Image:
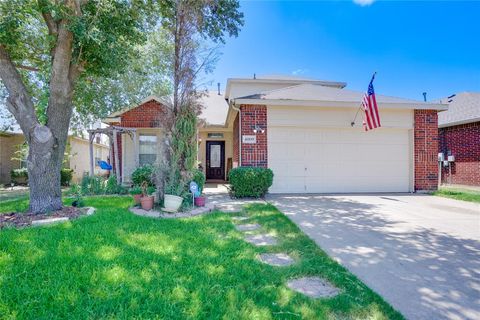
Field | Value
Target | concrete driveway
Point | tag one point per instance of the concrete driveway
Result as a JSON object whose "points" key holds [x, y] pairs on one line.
{"points": [[420, 252]]}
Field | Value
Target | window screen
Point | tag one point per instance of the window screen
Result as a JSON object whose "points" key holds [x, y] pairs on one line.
{"points": [[148, 149]]}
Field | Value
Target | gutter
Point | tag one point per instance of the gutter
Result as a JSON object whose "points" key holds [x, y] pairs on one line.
{"points": [[239, 133]]}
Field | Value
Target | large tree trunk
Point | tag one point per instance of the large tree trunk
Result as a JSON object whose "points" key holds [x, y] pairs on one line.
{"points": [[44, 171]]}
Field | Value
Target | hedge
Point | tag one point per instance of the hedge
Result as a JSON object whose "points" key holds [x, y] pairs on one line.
{"points": [[250, 181], [21, 175]]}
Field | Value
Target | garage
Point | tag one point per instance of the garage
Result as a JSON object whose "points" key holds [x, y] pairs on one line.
{"points": [[314, 150]]}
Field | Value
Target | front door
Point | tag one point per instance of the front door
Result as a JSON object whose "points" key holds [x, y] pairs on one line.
{"points": [[215, 169]]}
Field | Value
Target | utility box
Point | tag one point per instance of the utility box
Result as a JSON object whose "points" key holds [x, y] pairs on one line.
{"points": [[451, 158], [440, 157]]}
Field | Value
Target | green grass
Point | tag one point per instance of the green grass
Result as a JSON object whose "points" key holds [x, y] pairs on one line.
{"points": [[118, 265], [459, 194]]}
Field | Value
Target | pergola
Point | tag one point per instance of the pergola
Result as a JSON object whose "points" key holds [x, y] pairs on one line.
{"points": [[112, 133]]}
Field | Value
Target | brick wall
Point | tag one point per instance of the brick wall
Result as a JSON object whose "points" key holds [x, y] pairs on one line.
{"points": [[426, 149], [150, 114], [236, 140], [254, 155], [462, 141]]}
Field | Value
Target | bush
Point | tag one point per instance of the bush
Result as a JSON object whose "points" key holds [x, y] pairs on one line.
{"points": [[144, 173], [66, 177], [19, 175], [199, 178], [250, 181], [112, 187], [92, 185]]}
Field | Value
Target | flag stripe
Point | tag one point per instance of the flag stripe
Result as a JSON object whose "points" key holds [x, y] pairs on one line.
{"points": [[372, 117]]}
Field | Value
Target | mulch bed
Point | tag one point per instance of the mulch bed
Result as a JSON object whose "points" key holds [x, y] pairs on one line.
{"points": [[24, 219]]}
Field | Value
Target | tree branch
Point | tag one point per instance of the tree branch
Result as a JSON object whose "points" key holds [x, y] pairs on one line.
{"points": [[29, 68], [19, 101], [47, 16]]}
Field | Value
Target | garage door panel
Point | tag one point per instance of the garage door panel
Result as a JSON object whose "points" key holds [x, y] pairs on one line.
{"points": [[339, 160]]}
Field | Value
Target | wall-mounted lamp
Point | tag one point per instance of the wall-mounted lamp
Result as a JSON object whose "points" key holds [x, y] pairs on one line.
{"points": [[257, 129]]}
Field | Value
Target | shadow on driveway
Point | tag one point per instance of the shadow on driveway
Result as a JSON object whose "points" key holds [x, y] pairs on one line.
{"points": [[421, 253]]}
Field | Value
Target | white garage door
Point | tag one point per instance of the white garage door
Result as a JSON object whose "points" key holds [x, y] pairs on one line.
{"points": [[329, 160]]}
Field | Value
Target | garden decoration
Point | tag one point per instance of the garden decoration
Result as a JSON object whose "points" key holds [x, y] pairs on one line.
{"points": [[146, 201]]}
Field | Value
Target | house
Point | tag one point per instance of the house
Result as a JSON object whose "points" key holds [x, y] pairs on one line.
{"points": [[77, 148], [301, 129], [459, 136]]}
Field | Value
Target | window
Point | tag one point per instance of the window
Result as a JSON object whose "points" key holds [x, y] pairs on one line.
{"points": [[148, 149], [98, 156]]}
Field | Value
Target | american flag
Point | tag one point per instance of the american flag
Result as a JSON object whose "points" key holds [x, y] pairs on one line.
{"points": [[369, 103]]}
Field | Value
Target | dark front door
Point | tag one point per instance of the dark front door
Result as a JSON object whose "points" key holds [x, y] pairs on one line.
{"points": [[215, 160]]}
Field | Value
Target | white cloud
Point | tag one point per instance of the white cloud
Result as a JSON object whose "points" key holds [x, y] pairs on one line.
{"points": [[364, 3], [299, 72]]}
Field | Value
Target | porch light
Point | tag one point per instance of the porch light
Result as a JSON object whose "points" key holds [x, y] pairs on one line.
{"points": [[257, 129]]}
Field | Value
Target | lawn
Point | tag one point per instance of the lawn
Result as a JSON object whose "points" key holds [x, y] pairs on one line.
{"points": [[118, 265], [459, 194]]}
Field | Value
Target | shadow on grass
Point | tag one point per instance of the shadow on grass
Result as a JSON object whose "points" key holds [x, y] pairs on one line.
{"points": [[117, 265]]}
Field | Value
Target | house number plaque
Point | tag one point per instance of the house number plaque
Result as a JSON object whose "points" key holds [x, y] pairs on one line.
{"points": [[249, 139]]}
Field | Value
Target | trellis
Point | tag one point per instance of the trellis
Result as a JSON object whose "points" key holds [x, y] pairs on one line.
{"points": [[112, 132]]}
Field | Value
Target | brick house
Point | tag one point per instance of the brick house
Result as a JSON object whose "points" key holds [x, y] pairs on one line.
{"points": [[301, 129], [459, 136]]}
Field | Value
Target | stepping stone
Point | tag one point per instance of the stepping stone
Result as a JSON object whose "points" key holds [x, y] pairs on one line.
{"points": [[313, 287], [247, 227], [261, 240], [45, 222], [240, 218], [276, 259]]}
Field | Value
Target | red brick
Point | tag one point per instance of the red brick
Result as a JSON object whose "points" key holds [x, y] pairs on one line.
{"points": [[426, 149]]}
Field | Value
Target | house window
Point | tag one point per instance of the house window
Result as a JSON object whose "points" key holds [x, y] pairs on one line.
{"points": [[148, 149]]}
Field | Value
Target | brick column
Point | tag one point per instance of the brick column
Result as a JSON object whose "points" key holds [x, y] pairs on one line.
{"points": [[426, 149], [254, 155], [236, 142]]}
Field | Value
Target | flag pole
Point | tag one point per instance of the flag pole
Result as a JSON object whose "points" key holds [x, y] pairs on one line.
{"points": [[358, 110]]}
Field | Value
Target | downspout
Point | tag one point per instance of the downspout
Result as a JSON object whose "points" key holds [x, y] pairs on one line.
{"points": [[239, 133]]}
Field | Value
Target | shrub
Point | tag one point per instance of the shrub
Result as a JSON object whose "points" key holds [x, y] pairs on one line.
{"points": [[250, 181], [76, 191], [135, 190], [199, 178], [19, 175], [92, 185], [66, 177], [112, 187], [144, 173]]}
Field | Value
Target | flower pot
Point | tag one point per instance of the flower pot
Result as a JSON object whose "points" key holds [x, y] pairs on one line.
{"points": [[146, 203], [200, 201], [172, 203], [137, 197]]}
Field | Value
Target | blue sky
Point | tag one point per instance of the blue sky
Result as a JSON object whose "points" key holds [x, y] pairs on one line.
{"points": [[414, 46]]}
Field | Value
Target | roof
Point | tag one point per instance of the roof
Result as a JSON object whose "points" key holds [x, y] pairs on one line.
{"points": [[113, 117], [286, 80], [313, 94], [463, 108], [215, 108]]}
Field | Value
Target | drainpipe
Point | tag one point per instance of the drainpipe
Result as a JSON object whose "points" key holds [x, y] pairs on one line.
{"points": [[239, 133]]}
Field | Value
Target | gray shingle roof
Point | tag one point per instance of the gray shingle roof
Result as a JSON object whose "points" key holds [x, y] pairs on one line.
{"points": [[215, 108], [463, 108], [312, 92]]}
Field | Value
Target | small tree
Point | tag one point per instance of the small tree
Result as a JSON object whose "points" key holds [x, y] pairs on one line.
{"points": [[187, 23]]}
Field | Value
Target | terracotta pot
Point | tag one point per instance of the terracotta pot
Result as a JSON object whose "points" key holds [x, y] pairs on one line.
{"points": [[172, 203], [147, 202], [137, 197], [200, 201]]}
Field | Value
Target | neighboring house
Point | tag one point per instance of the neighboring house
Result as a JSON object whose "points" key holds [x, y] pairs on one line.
{"points": [[301, 129], [78, 150], [459, 136]]}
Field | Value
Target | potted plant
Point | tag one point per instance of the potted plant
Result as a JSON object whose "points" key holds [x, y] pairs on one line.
{"points": [[147, 200], [172, 202], [136, 192], [200, 199]]}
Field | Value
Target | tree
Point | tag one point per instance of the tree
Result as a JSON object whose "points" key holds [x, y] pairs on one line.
{"points": [[56, 44], [187, 22]]}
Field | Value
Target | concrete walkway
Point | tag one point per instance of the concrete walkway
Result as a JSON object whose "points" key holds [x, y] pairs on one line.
{"points": [[420, 252], [217, 194]]}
